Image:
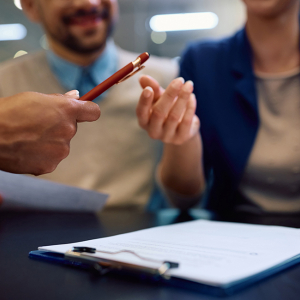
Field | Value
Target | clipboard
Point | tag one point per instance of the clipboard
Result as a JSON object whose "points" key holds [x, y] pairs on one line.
{"points": [[103, 267], [158, 276], [135, 262]]}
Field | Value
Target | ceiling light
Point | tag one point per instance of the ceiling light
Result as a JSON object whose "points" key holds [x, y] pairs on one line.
{"points": [[179, 22], [10, 32]]}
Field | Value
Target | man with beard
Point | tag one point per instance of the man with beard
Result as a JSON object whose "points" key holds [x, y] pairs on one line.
{"points": [[113, 154]]}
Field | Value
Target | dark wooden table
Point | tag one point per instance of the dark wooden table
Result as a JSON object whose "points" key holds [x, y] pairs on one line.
{"points": [[24, 278]]}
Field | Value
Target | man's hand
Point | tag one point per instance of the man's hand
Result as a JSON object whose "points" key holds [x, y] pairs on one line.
{"points": [[168, 115], [36, 129]]}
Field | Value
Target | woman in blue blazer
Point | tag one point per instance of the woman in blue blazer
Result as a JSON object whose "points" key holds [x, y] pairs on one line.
{"points": [[248, 106]]}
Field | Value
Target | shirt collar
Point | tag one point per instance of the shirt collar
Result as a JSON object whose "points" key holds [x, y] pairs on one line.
{"points": [[69, 73]]}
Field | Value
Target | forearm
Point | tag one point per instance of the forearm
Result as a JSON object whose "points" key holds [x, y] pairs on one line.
{"points": [[170, 117], [181, 169]]}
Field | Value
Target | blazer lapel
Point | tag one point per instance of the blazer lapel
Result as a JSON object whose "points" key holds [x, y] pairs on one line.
{"points": [[243, 72]]}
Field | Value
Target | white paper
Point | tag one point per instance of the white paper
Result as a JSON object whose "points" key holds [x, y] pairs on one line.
{"points": [[215, 253], [24, 192]]}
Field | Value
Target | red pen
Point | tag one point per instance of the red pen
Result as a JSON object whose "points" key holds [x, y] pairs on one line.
{"points": [[120, 76]]}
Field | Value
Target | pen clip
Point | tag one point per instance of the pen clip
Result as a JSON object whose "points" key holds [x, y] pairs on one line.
{"points": [[131, 74]]}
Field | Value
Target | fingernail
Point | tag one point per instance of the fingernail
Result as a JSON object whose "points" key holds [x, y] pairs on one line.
{"points": [[178, 83], [182, 79], [147, 92], [190, 82], [73, 93]]}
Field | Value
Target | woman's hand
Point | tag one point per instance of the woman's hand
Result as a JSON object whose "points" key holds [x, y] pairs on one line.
{"points": [[168, 115]]}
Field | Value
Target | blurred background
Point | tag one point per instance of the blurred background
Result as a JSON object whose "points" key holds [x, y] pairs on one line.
{"points": [[133, 32]]}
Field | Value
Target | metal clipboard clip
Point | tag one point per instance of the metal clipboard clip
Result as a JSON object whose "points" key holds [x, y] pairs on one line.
{"points": [[104, 265]]}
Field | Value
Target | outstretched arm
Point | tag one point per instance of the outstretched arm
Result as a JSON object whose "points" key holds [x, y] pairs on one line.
{"points": [[169, 115]]}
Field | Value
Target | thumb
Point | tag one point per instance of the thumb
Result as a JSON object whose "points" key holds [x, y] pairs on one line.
{"points": [[146, 80], [87, 111]]}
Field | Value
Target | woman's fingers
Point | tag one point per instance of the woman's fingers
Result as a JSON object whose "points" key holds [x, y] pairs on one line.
{"points": [[189, 124], [144, 107], [170, 118], [162, 107], [177, 111], [146, 80]]}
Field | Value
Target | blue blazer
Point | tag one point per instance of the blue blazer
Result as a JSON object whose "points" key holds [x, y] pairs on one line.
{"points": [[227, 107]]}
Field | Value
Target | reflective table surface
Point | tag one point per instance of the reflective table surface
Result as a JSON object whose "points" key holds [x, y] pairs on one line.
{"points": [[24, 278]]}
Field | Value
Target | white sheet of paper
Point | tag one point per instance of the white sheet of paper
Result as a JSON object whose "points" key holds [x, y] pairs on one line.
{"points": [[215, 253], [24, 192]]}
